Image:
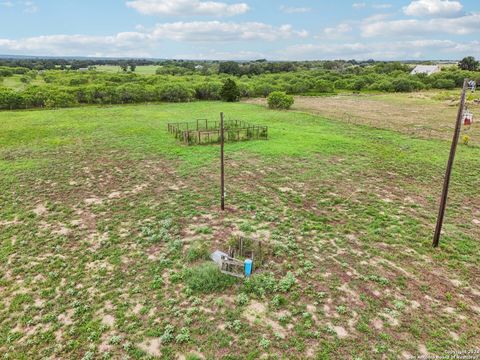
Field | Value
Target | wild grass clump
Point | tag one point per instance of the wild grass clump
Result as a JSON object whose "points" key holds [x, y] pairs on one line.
{"points": [[198, 251], [207, 278], [160, 232]]}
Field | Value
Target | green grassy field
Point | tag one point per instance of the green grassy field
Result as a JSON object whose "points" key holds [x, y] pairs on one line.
{"points": [[14, 82], [106, 224], [140, 70]]}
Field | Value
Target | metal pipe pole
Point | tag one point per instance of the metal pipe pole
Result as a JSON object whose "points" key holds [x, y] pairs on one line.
{"points": [[222, 162], [448, 174]]}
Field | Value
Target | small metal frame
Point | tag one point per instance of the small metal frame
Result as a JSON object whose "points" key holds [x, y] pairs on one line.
{"points": [[203, 131], [233, 267]]}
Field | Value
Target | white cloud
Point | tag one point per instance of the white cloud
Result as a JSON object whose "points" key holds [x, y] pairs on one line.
{"points": [[417, 49], [359, 5], [434, 8], [187, 7], [145, 42], [223, 55], [121, 44], [224, 31], [30, 7], [294, 10], [337, 31], [27, 5], [382, 6], [464, 25]]}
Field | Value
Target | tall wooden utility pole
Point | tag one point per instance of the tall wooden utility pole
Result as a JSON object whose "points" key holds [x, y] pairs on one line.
{"points": [[448, 174], [222, 162]]}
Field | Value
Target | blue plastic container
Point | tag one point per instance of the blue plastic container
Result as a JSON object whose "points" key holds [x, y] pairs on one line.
{"points": [[248, 267]]}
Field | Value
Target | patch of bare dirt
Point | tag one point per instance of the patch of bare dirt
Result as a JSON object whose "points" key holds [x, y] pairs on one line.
{"points": [[257, 311], [151, 347]]}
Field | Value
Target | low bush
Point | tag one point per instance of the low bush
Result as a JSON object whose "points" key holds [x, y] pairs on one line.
{"points": [[382, 85], [444, 84], [198, 251], [176, 93], [280, 100], [208, 90], [323, 86], [406, 85]]}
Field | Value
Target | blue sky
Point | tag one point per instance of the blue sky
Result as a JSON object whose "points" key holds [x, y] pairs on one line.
{"points": [[242, 29]]}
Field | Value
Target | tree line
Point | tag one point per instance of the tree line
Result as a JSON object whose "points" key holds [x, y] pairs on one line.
{"points": [[54, 88]]}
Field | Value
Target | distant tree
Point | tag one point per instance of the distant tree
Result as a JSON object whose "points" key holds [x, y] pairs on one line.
{"points": [[133, 67], [5, 72], [124, 67], [229, 67], [230, 91], [469, 63]]}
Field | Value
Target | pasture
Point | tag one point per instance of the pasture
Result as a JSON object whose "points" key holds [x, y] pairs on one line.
{"points": [[425, 114], [140, 70], [106, 223]]}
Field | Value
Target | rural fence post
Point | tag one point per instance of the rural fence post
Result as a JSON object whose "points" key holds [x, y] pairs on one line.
{"points": [[222, 163], [448, 173]]}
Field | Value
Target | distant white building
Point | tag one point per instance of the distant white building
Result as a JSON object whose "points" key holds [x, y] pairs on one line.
{"points": [[425, 69]]}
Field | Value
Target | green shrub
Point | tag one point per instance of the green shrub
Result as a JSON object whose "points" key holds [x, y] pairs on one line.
{"points": [[208, 91], [176, 93], [207, 278], [6, 72], [60, 100], [444, 84], [406, 85], [323, 86], [198, 251], [382, 85], [264, 89], [10, 99], [341, 84], [280, 100], [358, 84], [230, 91], [78, 81], [260, 284]]}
